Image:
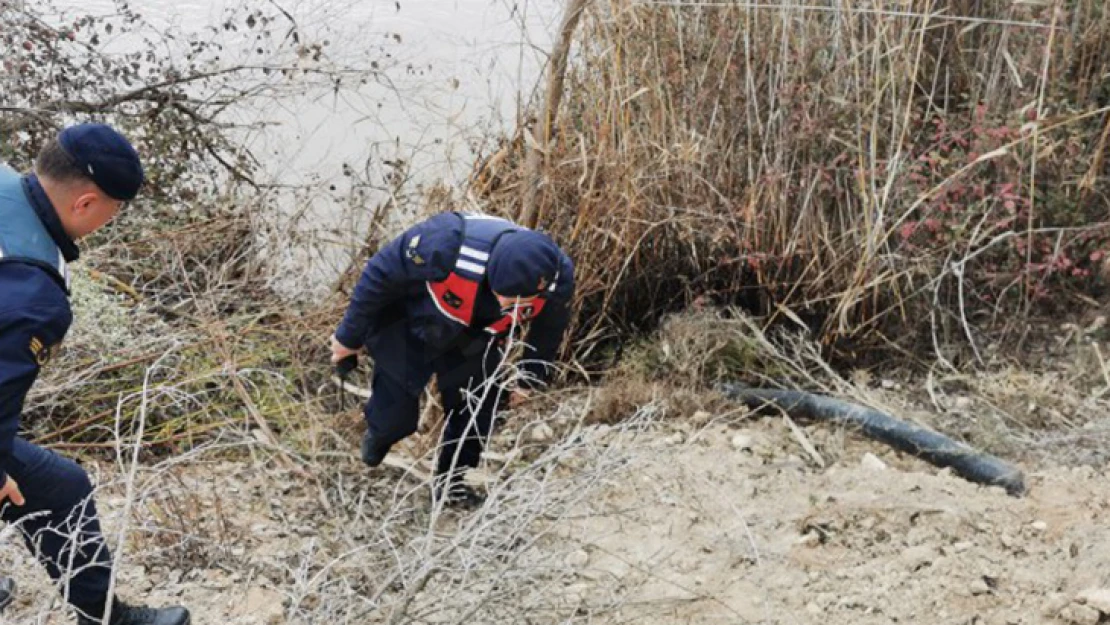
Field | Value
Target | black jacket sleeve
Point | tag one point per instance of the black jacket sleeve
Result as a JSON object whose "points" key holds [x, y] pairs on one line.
{"points": [[424, 252], [547, 329], [27, 335]]}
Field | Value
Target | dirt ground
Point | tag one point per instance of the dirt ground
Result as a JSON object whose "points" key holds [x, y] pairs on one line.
{"points": [[732, 525], [705, 519]]}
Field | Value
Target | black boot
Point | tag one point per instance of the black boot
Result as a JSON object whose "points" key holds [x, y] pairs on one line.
{"points": [[454, 493], [123, 614], [373, 451], [7, 592]]}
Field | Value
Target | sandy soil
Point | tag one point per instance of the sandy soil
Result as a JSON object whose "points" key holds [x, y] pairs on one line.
{"points": [[732, 525], [699, 520]]}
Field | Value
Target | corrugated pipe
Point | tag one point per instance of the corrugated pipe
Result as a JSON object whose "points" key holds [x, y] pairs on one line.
{"points": [[937, 449]]}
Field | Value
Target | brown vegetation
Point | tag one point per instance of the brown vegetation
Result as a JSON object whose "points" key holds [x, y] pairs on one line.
{"points": [[910, 177]]}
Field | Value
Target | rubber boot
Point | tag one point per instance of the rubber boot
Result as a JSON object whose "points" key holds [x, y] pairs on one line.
{"points": [[455, 493], [7, 592], [373, 451], [124, 614]]}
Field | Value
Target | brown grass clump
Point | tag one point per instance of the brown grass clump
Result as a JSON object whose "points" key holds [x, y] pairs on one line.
{"points": [[677, 366]]}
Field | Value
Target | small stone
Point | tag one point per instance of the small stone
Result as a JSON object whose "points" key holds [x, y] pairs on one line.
{"points": [[888, 384], [577, 559], [979, 587], [962, 403], [262, 604], [872, 463], [742, 442], [1040, 526], [577, 593], [1053, 604], [962, 546], [542, 433], [1080, 614], [215, 578], [1097, 598], [916, 557], [810, 539], [701, 418], [675, 439]]}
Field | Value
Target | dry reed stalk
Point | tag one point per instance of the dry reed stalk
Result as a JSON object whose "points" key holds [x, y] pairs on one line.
{"points": [[787, 158]]}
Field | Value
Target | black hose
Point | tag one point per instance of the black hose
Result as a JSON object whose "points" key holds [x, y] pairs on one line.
{"points": [[925, 444]]}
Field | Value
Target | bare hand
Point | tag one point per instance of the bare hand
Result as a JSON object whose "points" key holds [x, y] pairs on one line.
{"points": [[340, 351], [518, 397], [11, 491]]}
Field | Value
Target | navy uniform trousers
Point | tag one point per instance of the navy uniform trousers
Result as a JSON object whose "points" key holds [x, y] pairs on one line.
{"points": [[464, 377], [59, 523]]}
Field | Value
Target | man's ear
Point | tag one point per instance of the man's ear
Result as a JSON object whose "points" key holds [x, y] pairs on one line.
{"points": [[84, 203]]}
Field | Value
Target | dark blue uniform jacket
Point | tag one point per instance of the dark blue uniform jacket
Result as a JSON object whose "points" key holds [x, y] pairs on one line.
{"points": [[393, 315], [34, 301]]}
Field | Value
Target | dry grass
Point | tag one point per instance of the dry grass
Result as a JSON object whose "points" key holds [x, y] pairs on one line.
{"points": [[765, 158], [1053, 407], [882, 176], [344, 543]]}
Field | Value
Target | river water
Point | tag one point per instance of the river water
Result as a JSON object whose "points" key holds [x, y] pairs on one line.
{"points": [[456, 74], [459, 68]]}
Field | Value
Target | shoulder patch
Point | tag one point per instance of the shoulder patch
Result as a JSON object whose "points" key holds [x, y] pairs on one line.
{"points": [[40, 351], [412, 251]]}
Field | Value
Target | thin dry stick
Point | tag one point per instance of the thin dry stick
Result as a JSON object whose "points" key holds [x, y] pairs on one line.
{"points": [[834, 9], [129, 499], [1043, 87], [529, 213]]}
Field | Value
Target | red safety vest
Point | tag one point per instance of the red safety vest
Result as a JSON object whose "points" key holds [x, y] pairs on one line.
{"points": [[456, 296]]}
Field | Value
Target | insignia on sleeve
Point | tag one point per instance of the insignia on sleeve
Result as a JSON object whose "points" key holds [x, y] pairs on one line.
{"points": [[40, 351], [411, 252]]}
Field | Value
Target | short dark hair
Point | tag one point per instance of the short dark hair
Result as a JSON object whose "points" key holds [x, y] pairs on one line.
{"points": [[55, 163]]}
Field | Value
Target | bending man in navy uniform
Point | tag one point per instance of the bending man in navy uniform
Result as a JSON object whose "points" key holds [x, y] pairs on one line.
{"points": [[80, 182], [440, 299]]}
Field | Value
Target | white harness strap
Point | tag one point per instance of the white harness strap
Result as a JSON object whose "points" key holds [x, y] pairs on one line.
{"points": [[63, 267], [471, 267], [473, 253]]}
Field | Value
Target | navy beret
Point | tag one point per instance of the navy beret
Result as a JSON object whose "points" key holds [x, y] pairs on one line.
{"points": [[107, 158], [520, 260]]}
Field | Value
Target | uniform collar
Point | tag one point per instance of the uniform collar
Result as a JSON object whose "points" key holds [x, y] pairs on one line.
{"points": [[48, 215]]}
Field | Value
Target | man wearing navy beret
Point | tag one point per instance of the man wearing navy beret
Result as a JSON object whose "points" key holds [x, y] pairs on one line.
{"points": [[80, 181], [441, 299]]}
